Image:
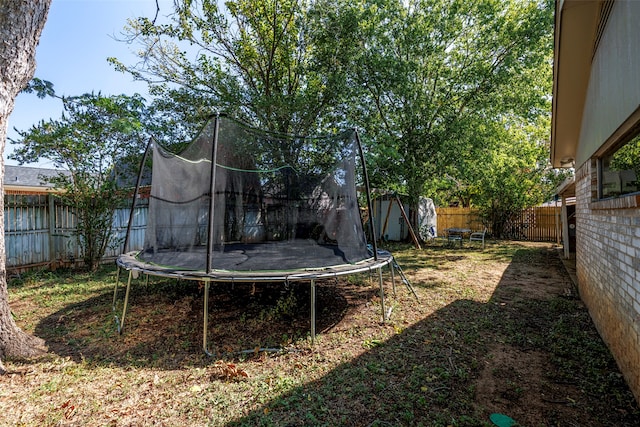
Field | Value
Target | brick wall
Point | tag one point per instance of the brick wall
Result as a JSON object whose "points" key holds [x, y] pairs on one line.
{"points": [[608, 270]]}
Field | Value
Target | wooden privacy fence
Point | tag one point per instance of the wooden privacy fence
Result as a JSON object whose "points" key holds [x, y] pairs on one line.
{"points": [[40, 230], [458, 218], [540, 224]]}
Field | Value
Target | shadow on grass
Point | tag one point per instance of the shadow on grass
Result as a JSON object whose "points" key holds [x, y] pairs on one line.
{"points": [[535, 357], [528, 352], [164, 329]]}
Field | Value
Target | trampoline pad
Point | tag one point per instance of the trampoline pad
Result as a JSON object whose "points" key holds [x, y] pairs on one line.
{"points": [[274, 256]]}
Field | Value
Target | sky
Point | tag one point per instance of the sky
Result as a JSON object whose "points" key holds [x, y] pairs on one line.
{"points": [[77, 39]]}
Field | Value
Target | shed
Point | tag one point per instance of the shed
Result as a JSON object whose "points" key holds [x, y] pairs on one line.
{"points": [[390, 222]]}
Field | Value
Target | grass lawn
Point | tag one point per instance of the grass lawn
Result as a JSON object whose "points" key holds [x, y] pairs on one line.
{"points": [[499, 330]]}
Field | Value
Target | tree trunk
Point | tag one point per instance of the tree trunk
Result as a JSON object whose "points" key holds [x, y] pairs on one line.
{"points": [[21, 23]]}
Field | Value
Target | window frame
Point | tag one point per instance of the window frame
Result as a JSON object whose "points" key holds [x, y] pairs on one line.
{"points": [[602, 169], [626, 133]]}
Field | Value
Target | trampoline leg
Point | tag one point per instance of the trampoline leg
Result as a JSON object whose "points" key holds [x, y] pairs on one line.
{"points": [[115, 290], [205, 327], [126, 302], [384, 316], [404, 278], [393, 278], [313, 311]]}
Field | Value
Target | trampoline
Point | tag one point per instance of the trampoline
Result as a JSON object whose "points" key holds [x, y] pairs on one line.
{"points": [[240, 204]]}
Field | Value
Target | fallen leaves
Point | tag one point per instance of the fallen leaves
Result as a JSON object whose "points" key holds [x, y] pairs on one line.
{"points": [[227, 371], [68, 409]]}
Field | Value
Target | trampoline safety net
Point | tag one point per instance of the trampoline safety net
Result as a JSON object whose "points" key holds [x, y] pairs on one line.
{"points": [[241, 199]]}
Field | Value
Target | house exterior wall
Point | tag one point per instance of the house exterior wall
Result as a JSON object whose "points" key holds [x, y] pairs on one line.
{"points": [[613, 90], [608, 271]]}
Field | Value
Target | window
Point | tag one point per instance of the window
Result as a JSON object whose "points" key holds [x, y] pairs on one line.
{"points": [[620, 170]]}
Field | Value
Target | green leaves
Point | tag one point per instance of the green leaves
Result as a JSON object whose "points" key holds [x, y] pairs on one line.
{"points": [[264, 62], [98, 141], [42, 88], [446, 82]]}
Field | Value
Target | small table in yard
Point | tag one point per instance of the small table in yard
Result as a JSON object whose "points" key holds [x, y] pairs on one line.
{"points": [[456, 234]]}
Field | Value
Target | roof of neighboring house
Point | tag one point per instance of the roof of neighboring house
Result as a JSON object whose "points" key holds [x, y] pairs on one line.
{"points": [[576, 29], [29, 179]]}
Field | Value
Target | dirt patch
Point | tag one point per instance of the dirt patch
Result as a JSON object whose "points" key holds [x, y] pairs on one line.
{"points": [[499, 383], [526, 380], [516, 383]]}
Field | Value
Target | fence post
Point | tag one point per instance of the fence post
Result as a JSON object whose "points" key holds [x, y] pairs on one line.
{"points": [[52, 229]]}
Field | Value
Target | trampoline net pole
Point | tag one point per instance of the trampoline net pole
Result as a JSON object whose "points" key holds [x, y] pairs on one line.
{"points": [[125, 246], [214, 159], [368, 193]]}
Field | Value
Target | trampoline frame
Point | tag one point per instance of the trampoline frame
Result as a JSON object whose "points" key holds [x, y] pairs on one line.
{"points": [[136, 268]]}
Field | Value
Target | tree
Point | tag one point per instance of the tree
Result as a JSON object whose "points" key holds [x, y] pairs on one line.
{"points": [[264, 62], [98, 140], [627, 157], [512, 173], [423, 78], [434, 72], [21, 23]]}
